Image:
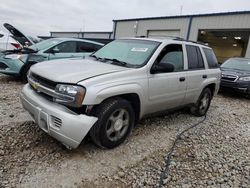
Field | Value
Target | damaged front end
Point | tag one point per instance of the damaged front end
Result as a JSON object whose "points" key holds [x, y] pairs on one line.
{"points": [[47, 102]]}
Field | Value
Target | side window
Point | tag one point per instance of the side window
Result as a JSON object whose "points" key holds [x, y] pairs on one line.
{"points": [[66, 47], [211, 58], [172, 54], [195, 60], [86, 47]]}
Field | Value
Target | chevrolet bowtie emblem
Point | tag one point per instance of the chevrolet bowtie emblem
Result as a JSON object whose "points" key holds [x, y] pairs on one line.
{"points": [[35, 85]]}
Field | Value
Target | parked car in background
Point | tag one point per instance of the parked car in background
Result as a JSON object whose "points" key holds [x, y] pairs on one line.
{"points": [[18, 62], [106, 93], [15, 39], [7, 42], [236, 75]]}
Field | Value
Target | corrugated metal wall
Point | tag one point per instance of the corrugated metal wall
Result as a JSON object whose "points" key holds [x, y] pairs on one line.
{"points": [[133, 28], [141, 27], [219, 22], [99, 35]]}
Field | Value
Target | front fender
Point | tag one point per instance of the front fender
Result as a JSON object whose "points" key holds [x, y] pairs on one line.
{"points": [[117, 90], [37, 58]]}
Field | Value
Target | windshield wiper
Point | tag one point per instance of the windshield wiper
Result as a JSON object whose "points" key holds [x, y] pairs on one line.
{"points": [[116, 61]]}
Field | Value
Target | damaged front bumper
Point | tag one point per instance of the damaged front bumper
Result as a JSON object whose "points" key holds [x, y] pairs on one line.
{"points": [[55, 119]]}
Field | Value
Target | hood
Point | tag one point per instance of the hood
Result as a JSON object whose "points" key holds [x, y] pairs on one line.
{"points": [[73, 70], [237, 72], [18, 35]]}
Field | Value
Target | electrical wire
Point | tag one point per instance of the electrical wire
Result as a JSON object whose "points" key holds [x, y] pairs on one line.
{"points": [[165, 172]]}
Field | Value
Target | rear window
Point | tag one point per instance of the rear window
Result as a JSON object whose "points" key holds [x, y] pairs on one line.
{"points": [[211, 58], [195, 60]]}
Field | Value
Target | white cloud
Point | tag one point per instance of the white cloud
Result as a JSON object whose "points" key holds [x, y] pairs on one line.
{"points": [[37, 17]]}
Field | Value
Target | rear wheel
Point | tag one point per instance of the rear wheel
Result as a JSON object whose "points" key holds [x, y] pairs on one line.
{"points": [[203, 103], [116, 119]]}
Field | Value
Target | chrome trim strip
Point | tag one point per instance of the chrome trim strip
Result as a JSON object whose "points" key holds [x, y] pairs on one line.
{"points": [[236, 77]]}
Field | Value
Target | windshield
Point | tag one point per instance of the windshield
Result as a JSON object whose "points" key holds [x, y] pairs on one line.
{"points": [[132, 52], [241, 64], [45, 44]]}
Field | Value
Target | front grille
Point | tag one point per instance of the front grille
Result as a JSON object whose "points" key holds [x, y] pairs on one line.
{"points": [[43, 81], [229, 77], [37, 83], [3, 66], [57, 122], [46, 96]]}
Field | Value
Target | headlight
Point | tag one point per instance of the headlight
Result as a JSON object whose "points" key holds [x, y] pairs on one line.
{"points": [[22, 57], [246, 79], [70, 95]]}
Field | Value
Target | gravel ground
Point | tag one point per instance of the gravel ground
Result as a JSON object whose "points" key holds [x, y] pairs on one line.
{"points": [[215, 154]]}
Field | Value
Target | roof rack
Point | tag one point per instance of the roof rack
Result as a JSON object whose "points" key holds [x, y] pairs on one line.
{"points": [[196, 42], [174, 38]]}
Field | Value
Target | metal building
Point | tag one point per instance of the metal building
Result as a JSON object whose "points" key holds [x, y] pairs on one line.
{"points": [[85, 34], [227, 33], [98, 36]]}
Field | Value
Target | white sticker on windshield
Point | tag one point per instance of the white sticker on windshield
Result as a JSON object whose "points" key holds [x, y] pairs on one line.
{"points": [[139, 49]]}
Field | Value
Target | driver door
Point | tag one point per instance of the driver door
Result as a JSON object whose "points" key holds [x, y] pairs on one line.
{"points": [[168, 90], [63, 50]]}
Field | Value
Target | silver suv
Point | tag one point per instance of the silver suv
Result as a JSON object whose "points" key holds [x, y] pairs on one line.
{"points": [[105, 94]]}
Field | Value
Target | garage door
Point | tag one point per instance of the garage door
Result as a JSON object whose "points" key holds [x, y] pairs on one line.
{"points": [[163, 33]]}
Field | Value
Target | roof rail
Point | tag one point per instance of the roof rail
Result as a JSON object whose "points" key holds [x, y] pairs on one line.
{"points": [[174, 38], [196, 42]]}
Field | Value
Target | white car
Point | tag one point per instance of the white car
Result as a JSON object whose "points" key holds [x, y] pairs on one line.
{"points": [[14, 39], [7, 42]]}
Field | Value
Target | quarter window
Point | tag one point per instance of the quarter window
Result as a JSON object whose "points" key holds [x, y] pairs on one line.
{"points": [[211, 58], [195, 60], [172, 54]]}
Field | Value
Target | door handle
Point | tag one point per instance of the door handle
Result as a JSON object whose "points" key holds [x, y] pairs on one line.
{"points": [[182, 79], [204, 76]]}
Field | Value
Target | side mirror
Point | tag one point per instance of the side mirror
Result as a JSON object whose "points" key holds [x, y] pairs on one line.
{"points": [[55, 50], [162, 68]]}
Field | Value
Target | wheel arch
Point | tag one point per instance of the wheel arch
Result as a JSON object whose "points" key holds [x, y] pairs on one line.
{"points": [[25, 66], [134, 100], [212, 87]]}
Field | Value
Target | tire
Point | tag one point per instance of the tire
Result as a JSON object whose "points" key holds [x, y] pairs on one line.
{"points": [[24, 72], [202, 105], [116, 119]]}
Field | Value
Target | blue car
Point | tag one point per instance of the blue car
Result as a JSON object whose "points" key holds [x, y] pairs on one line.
{"points": [[236, 75], [18, 62]]}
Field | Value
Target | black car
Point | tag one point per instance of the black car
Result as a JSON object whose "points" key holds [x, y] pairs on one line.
{"points": [[236, 75]]}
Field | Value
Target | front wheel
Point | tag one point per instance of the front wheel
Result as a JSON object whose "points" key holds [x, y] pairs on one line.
{"points": [[24, 73], [116, 119], [203, 103]]}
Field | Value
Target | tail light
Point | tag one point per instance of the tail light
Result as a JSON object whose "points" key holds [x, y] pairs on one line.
{"points": [[16, 45]]}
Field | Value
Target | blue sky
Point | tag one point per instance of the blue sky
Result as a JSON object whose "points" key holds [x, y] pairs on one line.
{"points": [[38, 17]]}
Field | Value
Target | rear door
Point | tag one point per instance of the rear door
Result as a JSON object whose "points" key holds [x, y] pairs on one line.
{"points": [[167, 90], [196, 73]]}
